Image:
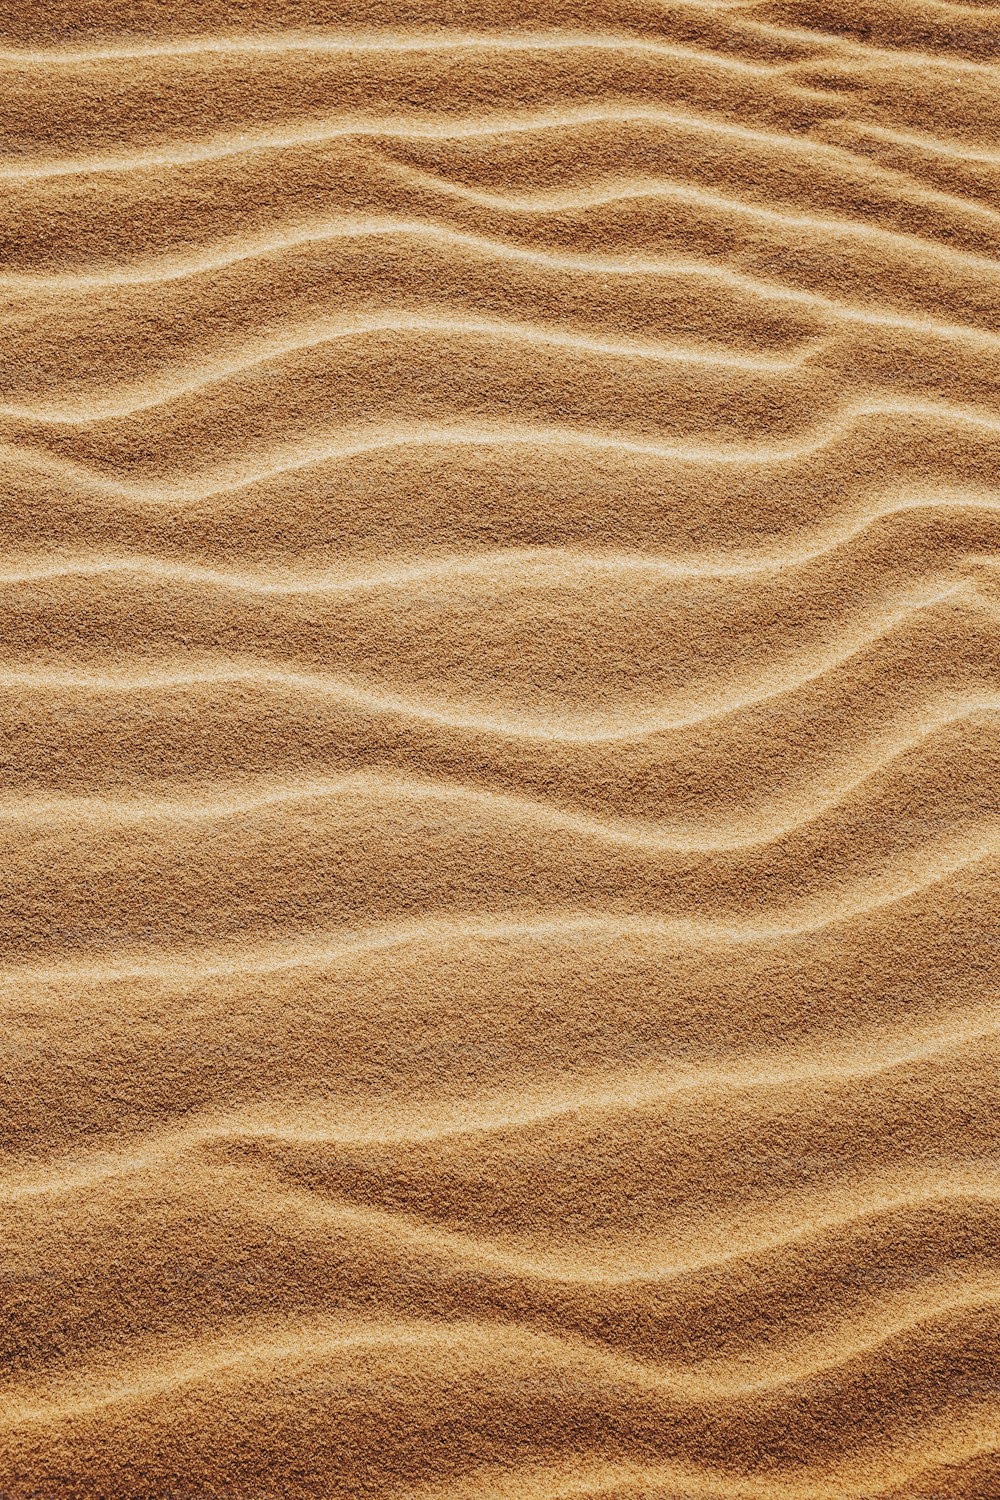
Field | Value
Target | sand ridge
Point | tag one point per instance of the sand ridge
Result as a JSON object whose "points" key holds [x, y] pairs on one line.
{"points": [[500, 734]]}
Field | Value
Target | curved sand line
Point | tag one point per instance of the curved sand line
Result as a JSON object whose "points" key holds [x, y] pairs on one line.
{"points": [[236, 477], [445, 930], [382, 41], [382, 786], [264, 1351], [263, 246], [372, 699], [607, 1268], [318, 336], [835, 42], [600, 196], [465, 1119], [581, 117], [390, 127], [599, 1479], [563, 561]]}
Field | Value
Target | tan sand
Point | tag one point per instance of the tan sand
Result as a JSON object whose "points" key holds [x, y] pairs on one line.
{"points": [[500, 724]]}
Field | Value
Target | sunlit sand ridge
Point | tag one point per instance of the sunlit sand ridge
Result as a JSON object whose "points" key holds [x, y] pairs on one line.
{"points": [[500, 715]]}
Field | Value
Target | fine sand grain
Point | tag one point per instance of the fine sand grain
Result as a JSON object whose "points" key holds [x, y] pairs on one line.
{"points": [[500, 731]]}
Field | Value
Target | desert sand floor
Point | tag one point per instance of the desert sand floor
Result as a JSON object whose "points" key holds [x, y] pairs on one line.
{"points": [[500, 732]]}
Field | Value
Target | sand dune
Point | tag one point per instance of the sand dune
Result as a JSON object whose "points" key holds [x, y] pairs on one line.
{"points": [[500, 723]]}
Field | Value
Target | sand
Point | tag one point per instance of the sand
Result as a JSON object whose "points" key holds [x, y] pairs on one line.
{"points": [[500, 732]]}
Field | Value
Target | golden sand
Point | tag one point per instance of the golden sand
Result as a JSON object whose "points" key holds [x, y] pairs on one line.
{"points": [[500, 730]]}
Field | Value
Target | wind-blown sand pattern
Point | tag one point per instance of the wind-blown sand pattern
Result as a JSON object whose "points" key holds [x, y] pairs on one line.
{"points": [[500, 708]]}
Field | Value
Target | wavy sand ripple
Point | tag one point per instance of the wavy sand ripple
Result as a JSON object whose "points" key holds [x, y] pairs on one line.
{"points": [[500, 723]]}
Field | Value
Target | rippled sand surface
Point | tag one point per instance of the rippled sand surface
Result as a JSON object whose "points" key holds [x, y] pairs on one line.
{"points": [[500, 732]]}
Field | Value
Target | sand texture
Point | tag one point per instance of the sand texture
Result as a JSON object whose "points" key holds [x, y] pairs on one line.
{"points": [[500, 738]]}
